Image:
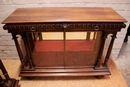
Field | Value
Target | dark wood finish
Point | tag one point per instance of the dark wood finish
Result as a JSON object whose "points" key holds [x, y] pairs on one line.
{"points": [[19, 50], [127, 34], [31, 22], [7, 82]]}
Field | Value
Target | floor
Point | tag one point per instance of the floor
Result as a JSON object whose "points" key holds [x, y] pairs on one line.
{"points": [[113, 80], [123, 61]]}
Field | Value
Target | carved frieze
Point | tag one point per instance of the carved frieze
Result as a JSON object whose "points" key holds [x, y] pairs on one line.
{"points": [[61, 26]]}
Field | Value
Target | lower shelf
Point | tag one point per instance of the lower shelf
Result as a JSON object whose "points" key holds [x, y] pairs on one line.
{"points": [[44, 72], [75, 52]]}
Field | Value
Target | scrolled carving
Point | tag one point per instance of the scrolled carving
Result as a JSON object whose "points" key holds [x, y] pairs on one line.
{"points": [[123, 25]]}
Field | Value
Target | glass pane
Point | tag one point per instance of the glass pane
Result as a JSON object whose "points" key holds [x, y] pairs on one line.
{"points": [[82, 48], [49, 48]]}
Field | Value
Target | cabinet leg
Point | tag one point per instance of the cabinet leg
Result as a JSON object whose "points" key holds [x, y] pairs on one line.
{"points": [[98, 77], [19, 50], [109, 50], [28, 50], [101, 50]]}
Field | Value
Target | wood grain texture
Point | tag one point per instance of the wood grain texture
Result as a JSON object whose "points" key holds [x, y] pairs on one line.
{"points": [[114, 80], [66, 14]]}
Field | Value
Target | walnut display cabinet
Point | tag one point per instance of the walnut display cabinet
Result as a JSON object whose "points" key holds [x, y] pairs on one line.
{"points": [[67, 41]]}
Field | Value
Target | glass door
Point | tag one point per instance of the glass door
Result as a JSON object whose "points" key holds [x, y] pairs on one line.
{"points": [[82, 48], [65, 49], [48, 49]]}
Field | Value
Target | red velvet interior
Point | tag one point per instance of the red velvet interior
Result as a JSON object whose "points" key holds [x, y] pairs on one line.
{"points": [[51, 53], [73, 45]]}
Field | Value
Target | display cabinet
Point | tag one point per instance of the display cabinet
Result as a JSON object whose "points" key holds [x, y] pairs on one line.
{"points": [[63, 41]]}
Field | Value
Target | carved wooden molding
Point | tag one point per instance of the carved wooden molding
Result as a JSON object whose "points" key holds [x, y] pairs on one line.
{"points": [[61, 26]]}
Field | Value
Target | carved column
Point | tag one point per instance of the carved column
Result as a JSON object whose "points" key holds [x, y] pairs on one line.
{"points": [[28, 50], [19, 50], [88, 35], [94, 37], [109, 49], [104, 36], [40, 36]]}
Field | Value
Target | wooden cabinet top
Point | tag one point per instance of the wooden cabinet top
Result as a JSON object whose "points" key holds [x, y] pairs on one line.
{"points": [[63, 14]]}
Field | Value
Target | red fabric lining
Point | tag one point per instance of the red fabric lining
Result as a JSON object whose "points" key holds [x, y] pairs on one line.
{"points": [[85, 45]]}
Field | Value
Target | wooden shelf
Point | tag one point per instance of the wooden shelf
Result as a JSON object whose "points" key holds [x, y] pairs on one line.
{"points": [[65, 72]]}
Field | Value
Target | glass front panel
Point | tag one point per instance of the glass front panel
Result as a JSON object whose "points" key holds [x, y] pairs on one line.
{"points": [[82, 48], [65, 49], [48, 49]]}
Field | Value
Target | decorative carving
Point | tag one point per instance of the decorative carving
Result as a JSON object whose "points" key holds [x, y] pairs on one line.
{"points": [[60, 26]]}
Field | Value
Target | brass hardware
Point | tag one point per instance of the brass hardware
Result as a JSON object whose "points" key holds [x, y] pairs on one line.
{"points": [[65, 26], [33, 29], [96, 28]]}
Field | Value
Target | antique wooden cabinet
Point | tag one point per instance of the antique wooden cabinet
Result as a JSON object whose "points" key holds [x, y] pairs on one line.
{"points": [[70, 54]]}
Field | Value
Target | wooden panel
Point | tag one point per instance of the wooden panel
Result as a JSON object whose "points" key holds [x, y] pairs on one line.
{"points": [[29, 15]]}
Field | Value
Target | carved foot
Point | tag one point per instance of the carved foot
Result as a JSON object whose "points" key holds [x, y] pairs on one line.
{"points": [[98, 77]]}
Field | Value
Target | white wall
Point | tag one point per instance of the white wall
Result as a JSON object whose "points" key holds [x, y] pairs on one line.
{"points": [[7, 46]]}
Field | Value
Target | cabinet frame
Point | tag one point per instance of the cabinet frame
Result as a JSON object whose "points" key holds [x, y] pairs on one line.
{"points": [[105, 20]]}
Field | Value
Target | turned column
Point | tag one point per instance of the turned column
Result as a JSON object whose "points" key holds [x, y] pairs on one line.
{"points": [[109, 49], [104, 36], [25, 38], [19, 50], [88, 35], [40, 36]]}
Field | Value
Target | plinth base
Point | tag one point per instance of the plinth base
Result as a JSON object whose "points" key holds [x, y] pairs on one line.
{"points": [[83, 71]]}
